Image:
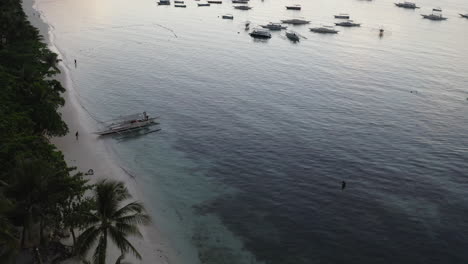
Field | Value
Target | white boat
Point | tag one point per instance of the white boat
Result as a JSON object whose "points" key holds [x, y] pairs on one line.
{"points": [[274, 26], [228, 16], [294, 7], [348, 23], [128, 123], [260, 33], [324, 30], [292, 35], [409, 5], [342, 16], [436, 17], [295, 21], [164, 2]]}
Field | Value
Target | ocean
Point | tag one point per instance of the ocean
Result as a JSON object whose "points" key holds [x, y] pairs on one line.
{"points": [[258, 135]]}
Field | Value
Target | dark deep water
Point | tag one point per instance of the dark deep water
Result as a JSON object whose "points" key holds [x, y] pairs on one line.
{"points": [[258, 135]]}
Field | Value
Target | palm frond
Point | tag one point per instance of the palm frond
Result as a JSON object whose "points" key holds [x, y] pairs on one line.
{"points": [[87, 239], [133, 207], [122, 243]]}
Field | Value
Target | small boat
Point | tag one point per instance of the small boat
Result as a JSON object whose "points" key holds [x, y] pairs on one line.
{"points": [[228, 16], [437, 9], [240, 1], [203, 4], [214, 2], [342, 16], [164, 2], [180, 5], [294, 7], [128, 123], [179, 2], [409, 5], [295, 21], [464, 15], [243, 7], [435, 17], [292, 35], [260, 33], [274, 26], [348, 23], [324, 30]]}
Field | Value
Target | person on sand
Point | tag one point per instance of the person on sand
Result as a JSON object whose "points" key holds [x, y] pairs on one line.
{"points": [[75, 63], [76, 135]]}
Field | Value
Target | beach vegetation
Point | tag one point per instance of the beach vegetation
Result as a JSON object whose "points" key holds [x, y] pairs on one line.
{"points": [[112, 221], [41, 198]]}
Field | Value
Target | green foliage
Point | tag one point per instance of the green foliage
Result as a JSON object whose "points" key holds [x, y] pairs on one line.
{"points": [[112, 221], [36, 186]]}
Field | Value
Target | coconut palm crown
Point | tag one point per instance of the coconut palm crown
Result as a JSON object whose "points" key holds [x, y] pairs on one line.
{"points": [[111, 221]]}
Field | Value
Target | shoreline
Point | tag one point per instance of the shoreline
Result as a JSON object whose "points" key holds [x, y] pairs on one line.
{"points": [[89, 152]]}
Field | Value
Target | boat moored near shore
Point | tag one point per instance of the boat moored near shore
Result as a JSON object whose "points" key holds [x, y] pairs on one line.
{"points": [[128, 123]]}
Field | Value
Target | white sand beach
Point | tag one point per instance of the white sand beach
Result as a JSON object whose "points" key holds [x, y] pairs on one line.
{"points": [[90, 152]]}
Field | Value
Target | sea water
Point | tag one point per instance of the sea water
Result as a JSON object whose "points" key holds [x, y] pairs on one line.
{"points": [[257, 135]]}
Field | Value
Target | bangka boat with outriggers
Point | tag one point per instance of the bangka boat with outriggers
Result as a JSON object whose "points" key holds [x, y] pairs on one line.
{"points": [[464, 15], [164, 2], [294, 7], [435, 17], [409, 5], [260, 33], [274, 26], [342, 16], [243, 7], [349, 23], [295, 21], [127, 123], [292, 35], [324, 30]]}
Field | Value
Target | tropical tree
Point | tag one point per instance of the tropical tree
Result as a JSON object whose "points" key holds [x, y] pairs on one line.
{"points": [[112, 221]]}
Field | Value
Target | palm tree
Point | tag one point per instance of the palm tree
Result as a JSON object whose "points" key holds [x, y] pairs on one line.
{"points": [[110, 220]]}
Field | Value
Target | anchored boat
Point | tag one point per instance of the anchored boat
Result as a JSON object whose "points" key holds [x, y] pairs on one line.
{"points": [[295, 21], [324, 30], [260, 33], [128, 123], [274, 26], [409, 5], [294, 7]]}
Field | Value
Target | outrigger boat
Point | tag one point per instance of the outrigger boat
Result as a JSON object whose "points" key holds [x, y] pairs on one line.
{"points": [[128, 123]]}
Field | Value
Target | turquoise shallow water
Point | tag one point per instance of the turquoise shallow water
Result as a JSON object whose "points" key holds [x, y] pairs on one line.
{"points": [[258, 135]]}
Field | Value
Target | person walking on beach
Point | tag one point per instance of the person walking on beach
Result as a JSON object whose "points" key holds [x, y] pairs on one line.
{"points": [[76, 135]]}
